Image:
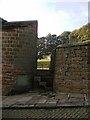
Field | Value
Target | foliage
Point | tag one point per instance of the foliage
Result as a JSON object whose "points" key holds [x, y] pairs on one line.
{"points": [[64, 37], [45, 45], [51, 42], [41, 47], [80, 35]]}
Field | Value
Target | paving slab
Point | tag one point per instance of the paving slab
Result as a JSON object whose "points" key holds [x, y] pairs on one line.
{"points": [[48, 99], [76, 95], [87, 103], [52, 99], [19, 106], [51, 102], [24, 100], [62, 100], [61, 96], [52, 95], [4, 97], [23, 106], [6, 105], [50, 105], [8, 102], [74, 99], [40, 105], [42, 100], [34, 100], [69, 104]]}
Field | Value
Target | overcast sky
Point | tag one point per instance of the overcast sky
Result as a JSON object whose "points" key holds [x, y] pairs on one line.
{"points": [[54, 16]]}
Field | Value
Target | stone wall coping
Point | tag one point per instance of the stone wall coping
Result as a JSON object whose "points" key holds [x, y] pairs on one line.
{"points": [[6, 25], [73, 45]]}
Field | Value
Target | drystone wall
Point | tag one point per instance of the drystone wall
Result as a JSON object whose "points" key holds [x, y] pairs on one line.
{"points": [[18, 55], [72, 68]]}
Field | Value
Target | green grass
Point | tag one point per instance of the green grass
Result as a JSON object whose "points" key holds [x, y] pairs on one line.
{"points": [[43, 64], [86, 41]]}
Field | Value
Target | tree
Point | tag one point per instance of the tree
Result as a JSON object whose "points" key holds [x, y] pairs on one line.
{"points": [[81, 34], [51, 42], [41, 47], [64, 37]]}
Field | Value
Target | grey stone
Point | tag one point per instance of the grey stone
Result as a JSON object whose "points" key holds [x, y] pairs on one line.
{"points": [[34, 100], [69, 104], [61, 96], [19, 105], [42, 100], [39, 105], [73, 100], [24, 99], [6, 105], [76, 95]]}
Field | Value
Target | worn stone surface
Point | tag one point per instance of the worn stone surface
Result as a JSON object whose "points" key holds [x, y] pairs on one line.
{"points": [[34, 100], [24, 100], [42, 100], [39, 100], [61, 95], [51, 102]]}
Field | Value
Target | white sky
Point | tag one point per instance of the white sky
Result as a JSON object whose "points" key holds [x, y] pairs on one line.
{"points": [[54, 16]]}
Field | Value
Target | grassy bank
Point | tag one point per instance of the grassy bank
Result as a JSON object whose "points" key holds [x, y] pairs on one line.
{"points": [[43, 64]]}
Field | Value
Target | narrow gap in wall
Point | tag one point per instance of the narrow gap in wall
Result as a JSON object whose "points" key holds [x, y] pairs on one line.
{"points": [[43, 77], [44, 62]]}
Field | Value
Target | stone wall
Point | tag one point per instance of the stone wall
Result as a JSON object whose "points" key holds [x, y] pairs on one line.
{"points": [[72, 68], [18, 55]]}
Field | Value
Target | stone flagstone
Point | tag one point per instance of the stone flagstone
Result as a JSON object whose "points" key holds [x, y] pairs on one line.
{"points": [[23, 100], [34, 100], [40, 100]]}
